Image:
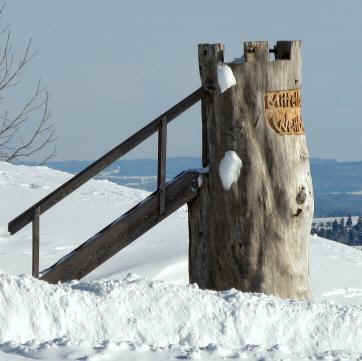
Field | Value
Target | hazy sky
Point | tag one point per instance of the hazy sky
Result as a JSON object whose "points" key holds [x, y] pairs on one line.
{"points": [[112, 66]]}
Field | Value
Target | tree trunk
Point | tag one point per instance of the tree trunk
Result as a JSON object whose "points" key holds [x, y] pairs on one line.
{"points": [[254, 236]]}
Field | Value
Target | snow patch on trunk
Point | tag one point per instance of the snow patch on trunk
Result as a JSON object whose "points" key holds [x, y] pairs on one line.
{"points": [[225, 77], [229, 169], [200, 180]]}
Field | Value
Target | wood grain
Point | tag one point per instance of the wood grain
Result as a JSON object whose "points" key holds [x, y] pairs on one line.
{"points": [[254, 237]]}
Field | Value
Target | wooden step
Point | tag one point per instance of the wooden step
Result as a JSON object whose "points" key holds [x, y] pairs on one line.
{"points": [[123, 231]]}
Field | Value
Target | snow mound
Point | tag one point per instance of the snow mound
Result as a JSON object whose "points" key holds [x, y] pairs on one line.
{"points": [[225, 77], [79, 217], [229, 169], [133, 318], [142, 312]]}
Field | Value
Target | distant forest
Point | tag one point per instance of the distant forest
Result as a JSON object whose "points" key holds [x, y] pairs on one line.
{"points": [[342, 230]]}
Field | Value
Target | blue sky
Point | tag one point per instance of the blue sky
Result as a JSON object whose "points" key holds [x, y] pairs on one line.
{"points": [[112, 66]]}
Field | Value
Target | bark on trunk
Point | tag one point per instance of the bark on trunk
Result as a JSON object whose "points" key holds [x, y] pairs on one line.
{"points": [[254, 236]]}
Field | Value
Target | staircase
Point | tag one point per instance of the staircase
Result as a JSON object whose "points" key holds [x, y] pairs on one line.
{"points": [[129, 226]]}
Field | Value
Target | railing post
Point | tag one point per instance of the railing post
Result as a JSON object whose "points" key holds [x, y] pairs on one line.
{"points": [[161, 174], [93, 169], [36, 217]]}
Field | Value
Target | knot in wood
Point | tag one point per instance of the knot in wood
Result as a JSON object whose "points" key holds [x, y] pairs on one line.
{"points": [[299, 212], [301, 196]]}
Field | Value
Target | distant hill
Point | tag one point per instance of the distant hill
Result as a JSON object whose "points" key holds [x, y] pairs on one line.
{"points": [[333, 181], [132, 167], [330, 176]]}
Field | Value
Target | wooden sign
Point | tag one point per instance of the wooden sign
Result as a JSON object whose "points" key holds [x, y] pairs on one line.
{"points": [[283, 111]]}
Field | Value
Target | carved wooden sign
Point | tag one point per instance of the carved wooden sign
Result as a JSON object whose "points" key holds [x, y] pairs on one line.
{"points": [[283, 111]]}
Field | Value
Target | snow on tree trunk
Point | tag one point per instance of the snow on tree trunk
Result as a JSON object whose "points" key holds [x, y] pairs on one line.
{"points": [[250, 226]]}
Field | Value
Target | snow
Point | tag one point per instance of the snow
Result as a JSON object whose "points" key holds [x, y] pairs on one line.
{"points": [[200, 180], [225, 77], [139, 306], [229, 169], [155, 313], [331, 219]]}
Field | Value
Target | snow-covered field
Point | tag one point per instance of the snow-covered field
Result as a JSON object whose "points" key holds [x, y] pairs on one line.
{"points": [[138, 306]]}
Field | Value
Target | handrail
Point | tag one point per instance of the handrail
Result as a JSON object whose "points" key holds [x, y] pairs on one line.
{"points": [[123, 231], [71, 185]]}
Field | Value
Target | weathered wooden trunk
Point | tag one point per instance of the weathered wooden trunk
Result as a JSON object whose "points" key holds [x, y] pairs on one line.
{"points": [[254, 236]]}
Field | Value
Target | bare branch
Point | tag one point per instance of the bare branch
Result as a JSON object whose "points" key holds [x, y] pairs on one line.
{"points": [[32, 118], [42, 135]]}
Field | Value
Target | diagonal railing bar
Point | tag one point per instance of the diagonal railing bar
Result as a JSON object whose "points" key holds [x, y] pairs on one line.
{"points": [[123, 231], [64, 190]]}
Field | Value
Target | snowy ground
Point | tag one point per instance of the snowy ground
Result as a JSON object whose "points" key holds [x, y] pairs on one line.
{"points": [[138, 305], [331, 219]]}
